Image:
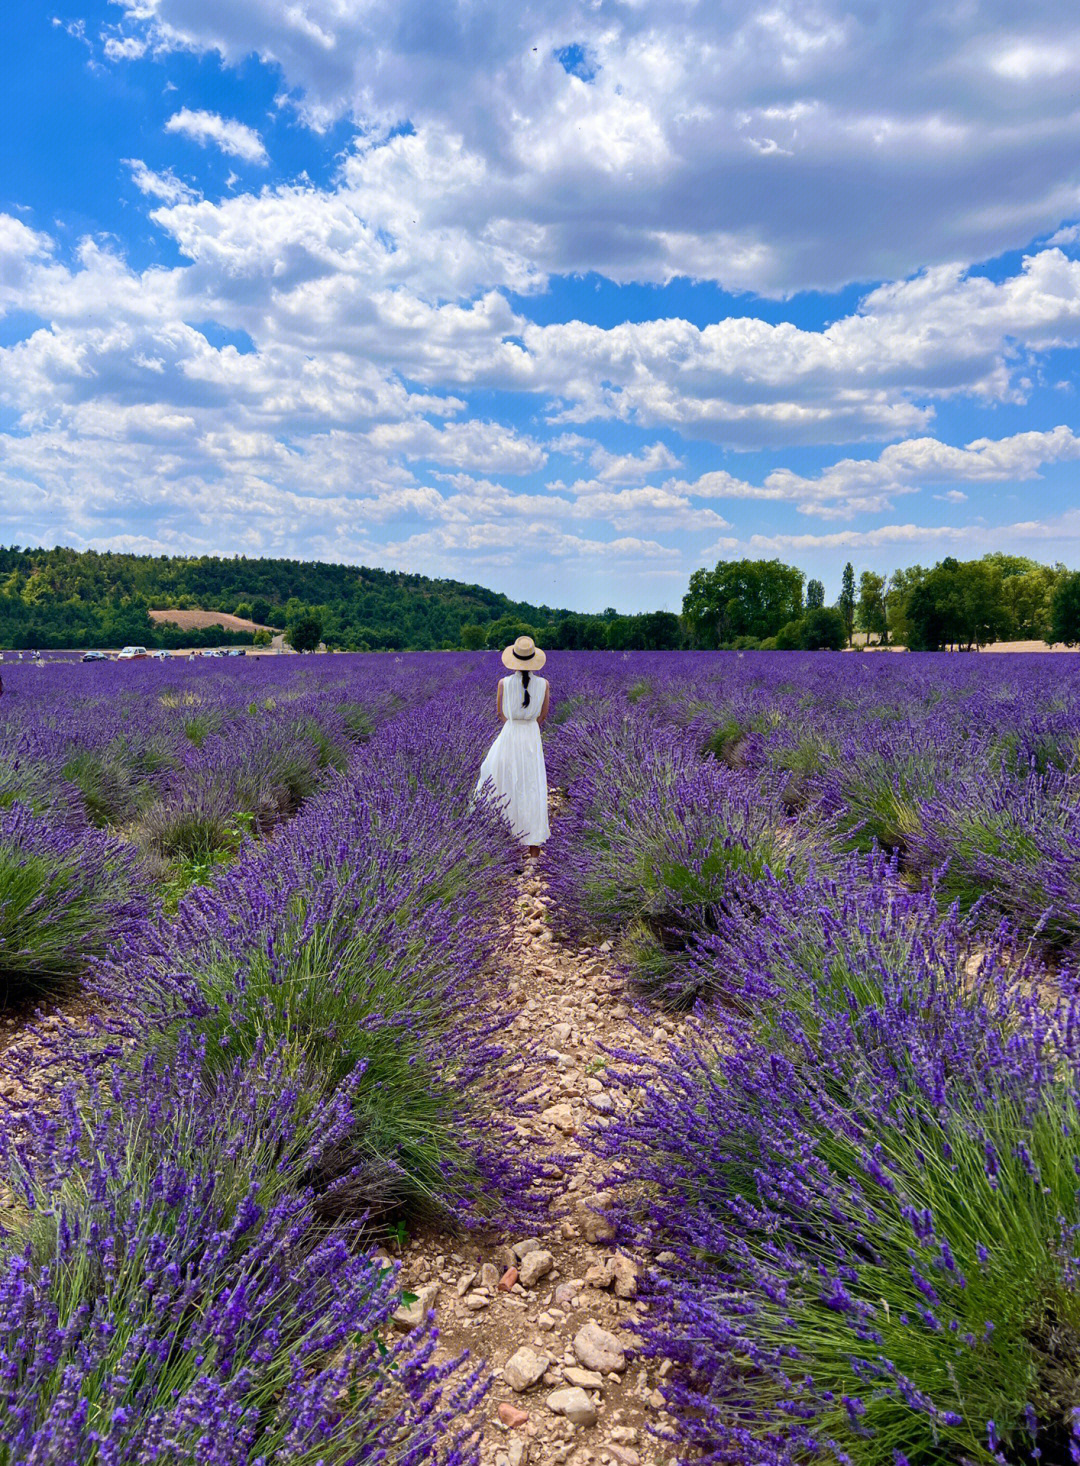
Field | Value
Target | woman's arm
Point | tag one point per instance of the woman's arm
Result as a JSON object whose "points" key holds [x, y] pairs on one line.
{"points": [[498, 704], [547, 705]]}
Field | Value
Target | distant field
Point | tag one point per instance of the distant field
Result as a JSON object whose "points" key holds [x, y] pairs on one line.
{"points": [[861, 640], [195, 620]]}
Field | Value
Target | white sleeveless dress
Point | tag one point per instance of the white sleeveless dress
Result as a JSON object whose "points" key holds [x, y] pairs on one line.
{"points": [[513, 770]]}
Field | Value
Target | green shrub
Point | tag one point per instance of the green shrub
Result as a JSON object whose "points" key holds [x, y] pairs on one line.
{"points": [[787, 639], [822, 629]]}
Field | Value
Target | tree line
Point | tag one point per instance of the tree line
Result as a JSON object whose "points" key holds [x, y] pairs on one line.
{"points": [[69, 598], [62, 598], [956, 603]]}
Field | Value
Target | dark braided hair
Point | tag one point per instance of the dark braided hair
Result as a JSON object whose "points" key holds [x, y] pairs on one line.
{"points": [[525, 684]]}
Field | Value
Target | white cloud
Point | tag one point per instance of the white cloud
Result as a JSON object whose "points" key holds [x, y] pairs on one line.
{"points": [[370, 266], [232, 137], [23, 253], [748, 383], [856, 539], [772, 148], [486, 446], [165, 186], [125, 48], [861, 485], [630, 467], [1057, 535], [346, 423]]}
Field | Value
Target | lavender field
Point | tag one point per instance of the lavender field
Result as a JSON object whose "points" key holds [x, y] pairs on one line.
{"points": [[252, 939]]}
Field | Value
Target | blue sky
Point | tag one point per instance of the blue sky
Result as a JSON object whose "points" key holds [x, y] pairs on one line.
{"points": [[568, 300]]}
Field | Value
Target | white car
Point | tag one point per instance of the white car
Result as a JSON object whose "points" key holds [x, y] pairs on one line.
{"points": [[159, 656], [130, 653]]}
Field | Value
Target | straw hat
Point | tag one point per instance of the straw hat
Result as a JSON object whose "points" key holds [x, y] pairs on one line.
{"points": [[523, 656]]}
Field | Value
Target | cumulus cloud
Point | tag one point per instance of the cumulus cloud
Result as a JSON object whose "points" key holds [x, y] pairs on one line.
{"points": [[232, 137], [485, 446], [164, 185], [771, 148], [335, 268], [1057, 534], [856, 539], [362, 412], [859, 485], [632, 467], [125, 48]]}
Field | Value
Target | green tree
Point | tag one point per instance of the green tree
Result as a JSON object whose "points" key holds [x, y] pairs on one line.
{"points": [[262, 637], [742, 598], [846, 603], [822, 629], [898, 592], [507, 629], [261, 610], [473, 637], [568, 633], [815, 595], [661, 631], [957, 605], [1027, 590], [304, 633], [243, 609], [592, 634], [870, 612], [1065, 610], [625, 633], [789, 637]]}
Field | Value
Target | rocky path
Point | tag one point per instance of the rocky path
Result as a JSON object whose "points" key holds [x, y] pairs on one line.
{"points": [[550, 1314]]}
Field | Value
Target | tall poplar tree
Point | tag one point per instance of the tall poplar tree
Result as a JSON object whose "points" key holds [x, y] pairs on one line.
{"points": [[846, 603]]}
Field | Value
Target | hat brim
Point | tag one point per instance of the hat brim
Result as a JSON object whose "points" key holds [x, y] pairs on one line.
{"points": [[516, 664]]}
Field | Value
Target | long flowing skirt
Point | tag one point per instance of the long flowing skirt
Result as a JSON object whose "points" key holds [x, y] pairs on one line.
{"points": [[513, 771]]}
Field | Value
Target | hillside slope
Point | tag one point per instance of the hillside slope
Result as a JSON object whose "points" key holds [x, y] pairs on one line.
{"points": [[64, 597]]}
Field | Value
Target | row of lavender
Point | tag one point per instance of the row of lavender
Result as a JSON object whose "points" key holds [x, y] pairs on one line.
{"points": [[859, 1179], [118, 782], [305, 1049]]}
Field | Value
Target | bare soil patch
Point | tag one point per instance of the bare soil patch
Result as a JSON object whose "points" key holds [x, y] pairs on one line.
{"points": [[862, 642], [532, 1306], [195, 620]]}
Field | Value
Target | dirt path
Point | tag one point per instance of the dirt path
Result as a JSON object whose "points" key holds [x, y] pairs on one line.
{"points": [[549, 1314]]}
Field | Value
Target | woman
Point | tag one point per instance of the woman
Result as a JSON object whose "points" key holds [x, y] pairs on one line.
{"points": [[514, 767]]}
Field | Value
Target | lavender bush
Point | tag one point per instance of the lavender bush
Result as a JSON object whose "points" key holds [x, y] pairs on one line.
{"points": [[362, 937], [66, 896], [1012, 841], [865, 1193], [168, 1296], [659, 846]]}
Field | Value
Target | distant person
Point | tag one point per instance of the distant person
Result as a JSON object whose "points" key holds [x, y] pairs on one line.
{"points": [[514, 767]]}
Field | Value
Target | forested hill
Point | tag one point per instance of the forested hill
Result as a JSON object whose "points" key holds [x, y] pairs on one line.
{"points": [[72, 598]]}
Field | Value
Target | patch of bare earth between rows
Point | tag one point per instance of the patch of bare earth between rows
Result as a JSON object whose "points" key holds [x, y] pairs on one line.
{"points": [[550, 1315]]}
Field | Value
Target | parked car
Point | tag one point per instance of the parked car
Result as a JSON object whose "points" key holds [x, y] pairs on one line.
{"points": [[94, 657], [131, 653], [236, 651], [159, 656]]}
